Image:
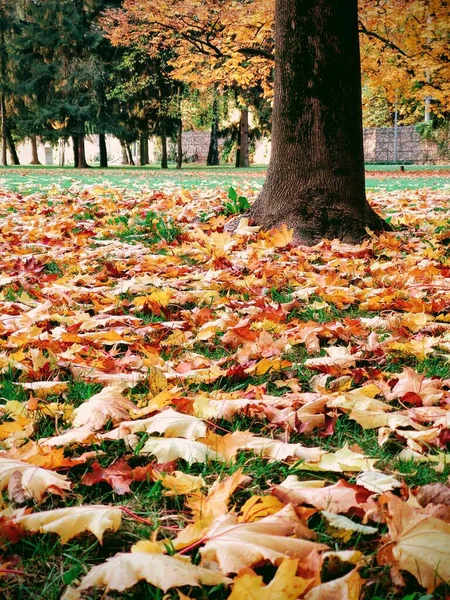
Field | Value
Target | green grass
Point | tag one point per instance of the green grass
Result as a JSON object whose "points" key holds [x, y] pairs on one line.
{"points": [[27, 179]]}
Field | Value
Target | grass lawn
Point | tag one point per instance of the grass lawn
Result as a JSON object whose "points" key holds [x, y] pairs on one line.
{"points": [[30, 179], [122, 298]]}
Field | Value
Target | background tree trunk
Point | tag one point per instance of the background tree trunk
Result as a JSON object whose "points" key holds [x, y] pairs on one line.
{"points": [[125, 160], [61, 152], [315, 181], [12, 147], [75, 150], [180, 144], [164, 160], [244, 159], [4, 156], [34, 151], [129, 154], [81, 155], [143, 150], [213, 152], [103, 151]]}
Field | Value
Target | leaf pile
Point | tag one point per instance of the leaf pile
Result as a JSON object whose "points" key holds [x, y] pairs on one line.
{"points": [[282, 405]]}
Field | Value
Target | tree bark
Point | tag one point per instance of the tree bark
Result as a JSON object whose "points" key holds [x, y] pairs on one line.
{"points": [[164, 160], [12, 147], [143, 150], [103, 151], [315, 181], [129, 154], [125, 160], [244, 160], [81, 153], [213, 152], [180, 144], [4, 156], [75, 150], [34, 151]]}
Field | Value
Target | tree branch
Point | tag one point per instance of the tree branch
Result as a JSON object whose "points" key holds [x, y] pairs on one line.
{"points": [[374, 34]]}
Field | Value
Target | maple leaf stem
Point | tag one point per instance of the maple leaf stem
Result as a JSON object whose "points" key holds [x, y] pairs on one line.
{"points": [[12, 572], [136, 517], [211, 424], [192, 546]]}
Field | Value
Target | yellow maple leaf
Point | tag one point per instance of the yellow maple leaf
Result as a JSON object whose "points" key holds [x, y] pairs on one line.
{"points": [[70, 522], [284, 586]]}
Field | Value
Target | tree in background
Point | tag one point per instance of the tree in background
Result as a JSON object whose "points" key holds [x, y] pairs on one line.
{"points": [[62, 63], [406, 54], [315, 182], [218, 45]]}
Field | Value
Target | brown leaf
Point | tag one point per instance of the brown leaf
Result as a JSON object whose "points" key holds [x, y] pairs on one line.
{"points": [[416, 543], [340, 497], [234, 546], [118, 476]]}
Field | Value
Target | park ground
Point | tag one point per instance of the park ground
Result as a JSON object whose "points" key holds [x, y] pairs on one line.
{"points": [[288, 370]]}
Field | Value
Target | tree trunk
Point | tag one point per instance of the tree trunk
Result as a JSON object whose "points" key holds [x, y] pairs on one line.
{"points": [[129, 154], [125, 160], [164, 161], [12, 147], [213, 152], [4, 156], [180, 144], [244, 161], [103, 151], [315, 181], [143, 150], [75, 150], [81, 153], [61, 152], [34, 151]]}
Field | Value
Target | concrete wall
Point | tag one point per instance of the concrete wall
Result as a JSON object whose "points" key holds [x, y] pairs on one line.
{"points": [[378, 148]]}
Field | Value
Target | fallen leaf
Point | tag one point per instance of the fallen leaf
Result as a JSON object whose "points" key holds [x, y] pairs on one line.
{"points": [[179, 483], [341, 461], [416, 542], [340, 497], [168, 449], [35, 481], [123, 571], [236, 545], [258, 507], [284, 586], [344, 588], [70, 522], [109, 404]]}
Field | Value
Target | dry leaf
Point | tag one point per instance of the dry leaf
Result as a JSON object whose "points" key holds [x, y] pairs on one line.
{"points": [[109, 404], [234, 546], [70, 522], [416, 543], [179, 483], [123, 571], [344, 588], [338, 498], [284, 586], [34, 481], [168, 449], [258, 507], [342, 461]]}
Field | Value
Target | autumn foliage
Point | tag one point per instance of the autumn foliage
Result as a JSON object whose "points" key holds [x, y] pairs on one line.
{"points": [[220, 372]]}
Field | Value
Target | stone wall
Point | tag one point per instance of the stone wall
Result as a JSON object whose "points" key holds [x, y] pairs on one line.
{"points": [[196, 146], [379, 146]]}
